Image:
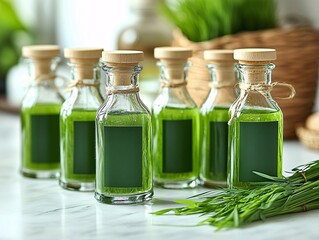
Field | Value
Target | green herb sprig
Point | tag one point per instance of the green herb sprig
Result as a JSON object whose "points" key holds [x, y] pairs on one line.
{"points": [[202, 20], [231, 208]]}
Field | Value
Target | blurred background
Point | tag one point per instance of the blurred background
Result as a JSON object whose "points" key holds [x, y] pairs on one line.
{"points": [[95, 23]]}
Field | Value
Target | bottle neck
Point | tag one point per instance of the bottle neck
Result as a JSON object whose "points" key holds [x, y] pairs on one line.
{"points": [[85, 82], [85, 75], [255, 74], [122, 79], [255, 89], [222, 73], [42, 69], [122, 89], [173, 85], [43, 89], [173, 73], [223, 93]]}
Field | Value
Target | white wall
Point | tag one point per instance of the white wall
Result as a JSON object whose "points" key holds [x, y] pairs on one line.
{"points": [[97, 22], [80, 23], [306, 8], [85, 23]]}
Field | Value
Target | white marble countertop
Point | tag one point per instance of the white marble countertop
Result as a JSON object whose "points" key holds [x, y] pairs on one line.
{"points": [[40, 209]]}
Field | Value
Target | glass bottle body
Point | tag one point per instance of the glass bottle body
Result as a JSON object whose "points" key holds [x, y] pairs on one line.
{"points": [[256, 132], [40, 126], [214, 117], [123, 140], [77, 121], [146, 32], [175, 136]]}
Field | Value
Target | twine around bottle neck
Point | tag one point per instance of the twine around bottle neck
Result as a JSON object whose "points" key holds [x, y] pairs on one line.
{"points": [[50, 76], [83, 70], [81, 83], [47, 76], [112, 90], [169, 84], [218, 85], [265, 88], [262, 88], [173, 73], [43, 69]]}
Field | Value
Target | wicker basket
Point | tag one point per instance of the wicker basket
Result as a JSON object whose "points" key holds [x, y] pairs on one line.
{"points": [[307, 137], [297, 64]]}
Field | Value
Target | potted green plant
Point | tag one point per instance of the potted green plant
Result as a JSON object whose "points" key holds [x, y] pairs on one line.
{"points": [[204, 20], [232, 24]]}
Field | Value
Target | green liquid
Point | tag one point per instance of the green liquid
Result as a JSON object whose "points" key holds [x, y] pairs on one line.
{"points": [[214, 146], [103, 182], [78, 146], [161, 149], [40, 137], [256, 147]]}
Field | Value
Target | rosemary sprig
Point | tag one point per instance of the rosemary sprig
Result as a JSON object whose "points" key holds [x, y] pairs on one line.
{"points": [[230, 208]]}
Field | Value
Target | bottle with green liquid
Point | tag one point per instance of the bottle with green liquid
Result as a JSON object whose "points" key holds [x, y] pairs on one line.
{"points": [[40, 114], [256, 122], [214, 118], [77, 120], [123, 134], [175, 123]]}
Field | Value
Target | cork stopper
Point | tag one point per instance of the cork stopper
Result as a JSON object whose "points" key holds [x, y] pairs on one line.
{"points": [[41, 56], [172, 53], [253, 55], [219, 55], [41, 51], [223, 61], [255, 59], [174, 59], [124, 59], [84, 59]]}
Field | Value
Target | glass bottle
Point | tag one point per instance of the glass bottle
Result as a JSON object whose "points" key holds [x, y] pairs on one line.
{"points": [[123, 127], [214, 117], [77, 120], [146, 32], [175, 123], [40, 114], [256, 122]]}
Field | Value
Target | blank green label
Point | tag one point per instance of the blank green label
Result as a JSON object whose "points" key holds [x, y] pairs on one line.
{"points": [[177, 146], [123, 156], [218, 148], [45, 139], [258, 150], [84, 147]]}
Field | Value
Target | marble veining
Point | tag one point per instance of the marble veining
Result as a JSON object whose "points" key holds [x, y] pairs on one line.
{"points": [[41, 209]]}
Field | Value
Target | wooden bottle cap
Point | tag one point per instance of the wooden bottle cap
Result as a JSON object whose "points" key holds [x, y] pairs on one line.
{"points": [[219, 55], [40, 51], [85, 54], [125, 57], [172, 53], [42, 57], [85, 59], [255, 55], [174, 59], [122, 58], [223, 60]]}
